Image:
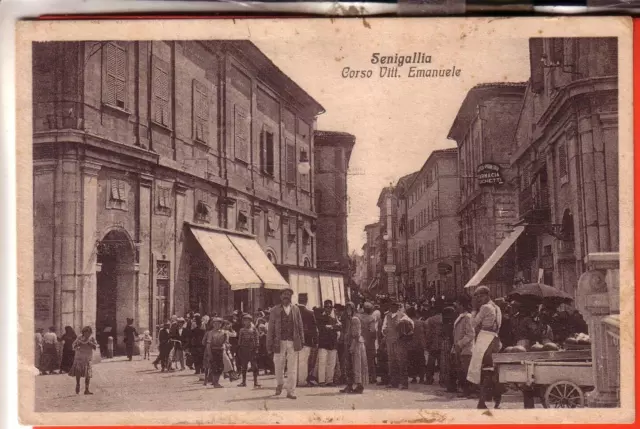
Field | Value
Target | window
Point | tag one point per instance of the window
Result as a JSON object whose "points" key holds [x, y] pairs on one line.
{"points": [[241, 127], [304, 178], [293, 229], [118, 193], [163, 205], [161, 93], [162, 291], [291, 163], [412, 227], [202, 211], [556, 51], [272, 225], [200, 112], [563, 163], [115, 70], [243, 216], [267, 153]]}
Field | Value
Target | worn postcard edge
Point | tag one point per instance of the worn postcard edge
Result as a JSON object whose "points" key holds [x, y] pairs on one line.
{"points": [[27, 32]]}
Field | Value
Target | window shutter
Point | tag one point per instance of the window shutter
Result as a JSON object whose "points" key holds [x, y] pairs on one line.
{"points": [[562, 160], [122, 190], [114, 190], [263, 151], [241, 134], [161, 92], [291, 163], [200, 111]]}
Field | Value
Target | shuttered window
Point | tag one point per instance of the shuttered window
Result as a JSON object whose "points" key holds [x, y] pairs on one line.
{"points": [[563, 162], [291, 162], [267, 153], [241, 134], [200, 112], [161, 90], [115, 57]]}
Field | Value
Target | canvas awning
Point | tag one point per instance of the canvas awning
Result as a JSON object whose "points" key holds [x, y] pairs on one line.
{"points": [[495, 257], [240, 260]]}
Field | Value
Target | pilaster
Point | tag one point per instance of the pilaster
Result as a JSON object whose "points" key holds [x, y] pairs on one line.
{"points": [[90, 173], [146, 300]]}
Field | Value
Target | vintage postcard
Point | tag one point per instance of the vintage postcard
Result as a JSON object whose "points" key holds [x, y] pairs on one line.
{"points": [[325, 221]]}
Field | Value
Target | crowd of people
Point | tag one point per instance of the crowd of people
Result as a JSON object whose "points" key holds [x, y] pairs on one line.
{"points": [[380, 341]]}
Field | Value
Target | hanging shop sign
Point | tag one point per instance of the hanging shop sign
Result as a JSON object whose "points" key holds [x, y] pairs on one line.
{"points": [[489, 174]]}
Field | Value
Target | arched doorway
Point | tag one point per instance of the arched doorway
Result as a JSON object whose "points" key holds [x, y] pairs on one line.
{"points": [[115, 287]]}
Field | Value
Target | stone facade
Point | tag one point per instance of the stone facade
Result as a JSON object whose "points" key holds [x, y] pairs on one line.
{"points": [[401, 235], [388, 206], [332, 155], [433, 198], [483, 130], [134, 140], [566, 159], [372, 257]]}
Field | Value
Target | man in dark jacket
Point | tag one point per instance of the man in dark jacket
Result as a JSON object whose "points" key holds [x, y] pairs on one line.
{"points": [[164, 347], [328, 328], [310, 328]]}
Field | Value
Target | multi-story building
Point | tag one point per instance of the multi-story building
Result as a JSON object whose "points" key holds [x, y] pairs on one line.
{"points": [[401, 237], [433, 199], [566, 157], [373, 260], [168, 176], [388, 249], [483, 131], [332, 154]]}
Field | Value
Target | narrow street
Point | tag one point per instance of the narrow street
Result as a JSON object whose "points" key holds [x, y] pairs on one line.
{"points": [[120, 386]]}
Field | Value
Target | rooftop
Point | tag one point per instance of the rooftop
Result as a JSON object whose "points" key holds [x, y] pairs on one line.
{"points": [[475, 96], [433, 155]]}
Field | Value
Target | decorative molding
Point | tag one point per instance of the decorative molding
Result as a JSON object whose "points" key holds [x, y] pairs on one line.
{"points": [[609, 120], [44, 167], [90, 168], [145, 180], [181, 187], [227, 201]]}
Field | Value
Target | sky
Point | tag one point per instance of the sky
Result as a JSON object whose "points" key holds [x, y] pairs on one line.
{"points": [[397, 122]]}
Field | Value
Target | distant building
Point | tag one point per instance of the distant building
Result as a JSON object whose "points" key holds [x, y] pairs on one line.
{"points": [[373, 259], [332, 154], [483, 131], [401, 236], [565, 154], [433, 199], [388, 249]]}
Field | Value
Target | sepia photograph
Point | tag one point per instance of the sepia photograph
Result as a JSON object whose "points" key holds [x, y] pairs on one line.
{"points": [[325, 221]]}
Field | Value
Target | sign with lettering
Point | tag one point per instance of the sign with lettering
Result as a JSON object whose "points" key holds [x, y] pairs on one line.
{"points": [[389, 268], [489, 174]]}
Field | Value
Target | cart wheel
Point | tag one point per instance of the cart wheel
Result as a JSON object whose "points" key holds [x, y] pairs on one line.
{"points": [[563, 394]]}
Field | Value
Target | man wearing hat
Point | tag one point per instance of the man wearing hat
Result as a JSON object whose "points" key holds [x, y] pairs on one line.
{"points": [[285, 338], [180, 339], [397, 325], [328, 328], [130, 337], [310, 328], [487, 324], [164, 348]]}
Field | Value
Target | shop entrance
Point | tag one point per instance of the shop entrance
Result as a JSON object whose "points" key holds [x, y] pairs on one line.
{"points": [[115, 300]]}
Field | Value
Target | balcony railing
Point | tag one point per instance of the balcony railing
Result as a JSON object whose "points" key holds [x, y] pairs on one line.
{"points": [[534, 204]]}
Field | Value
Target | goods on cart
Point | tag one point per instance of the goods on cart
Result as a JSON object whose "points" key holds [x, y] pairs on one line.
{"points": [[577, 342]]}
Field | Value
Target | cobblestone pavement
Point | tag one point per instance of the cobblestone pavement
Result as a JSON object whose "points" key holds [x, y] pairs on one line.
{"points": [[119, 385]]}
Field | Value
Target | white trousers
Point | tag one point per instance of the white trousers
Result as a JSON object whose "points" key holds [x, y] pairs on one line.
{"points": [[326, 365], [289, 357], [303, 365]]}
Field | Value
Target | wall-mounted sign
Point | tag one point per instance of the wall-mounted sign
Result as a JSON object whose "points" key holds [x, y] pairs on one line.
{"points": [[488, 174]]}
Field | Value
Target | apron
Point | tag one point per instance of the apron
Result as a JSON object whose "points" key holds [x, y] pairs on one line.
{"points": [[482, 343]]}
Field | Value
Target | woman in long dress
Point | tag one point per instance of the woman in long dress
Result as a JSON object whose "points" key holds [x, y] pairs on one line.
{"points": [[356, 368], [39, 341], [67, 340], [49, 360], [84, 347]]}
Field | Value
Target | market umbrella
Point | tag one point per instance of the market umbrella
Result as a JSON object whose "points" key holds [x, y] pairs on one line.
{"points": [[540, 292]]}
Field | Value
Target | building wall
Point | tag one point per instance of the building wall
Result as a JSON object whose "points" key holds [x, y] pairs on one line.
{"points": [[134, 164], [331, 165], [575, 143]]}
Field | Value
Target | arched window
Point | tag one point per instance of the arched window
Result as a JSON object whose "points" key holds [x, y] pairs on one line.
{"points": [[307, 262], [272, 257]]}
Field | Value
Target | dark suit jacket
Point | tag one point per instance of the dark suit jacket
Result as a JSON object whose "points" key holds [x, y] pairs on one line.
{"points": [[163, 339], [184, 338], [275, 327], [309, 325]]}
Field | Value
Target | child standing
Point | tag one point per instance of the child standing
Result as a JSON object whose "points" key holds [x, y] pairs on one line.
{"points": [[230, 371], [248, 343], [84, 347], [146, 339], [214, 342]]}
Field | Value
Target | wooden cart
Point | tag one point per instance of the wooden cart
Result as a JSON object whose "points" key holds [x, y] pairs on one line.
{"points": [[559, 378]]}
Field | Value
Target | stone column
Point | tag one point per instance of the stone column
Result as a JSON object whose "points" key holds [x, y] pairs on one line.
{"points": [[181, 275], [597, 300], [67, 198], [89, 237], [145, 288]]}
